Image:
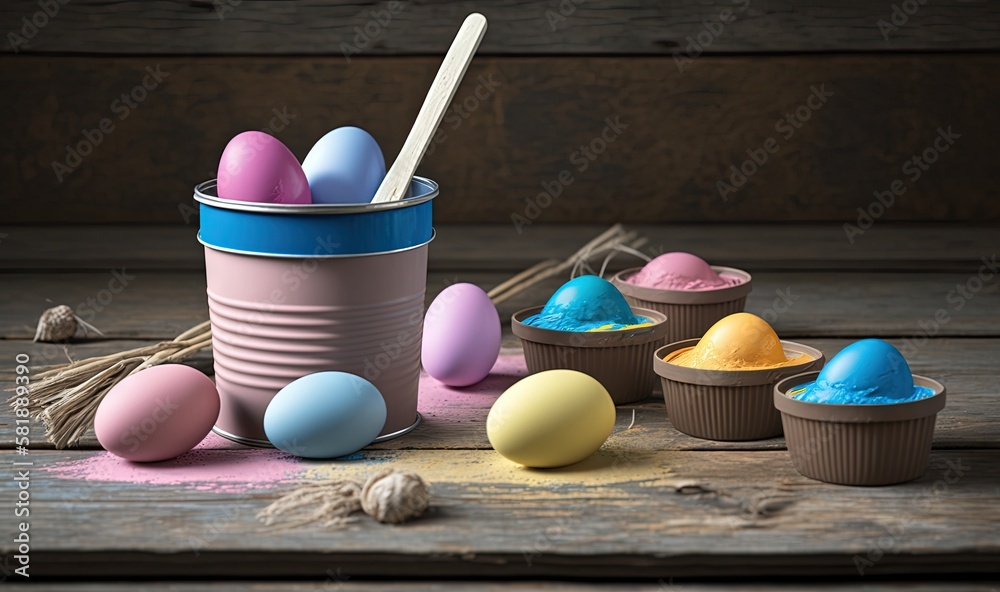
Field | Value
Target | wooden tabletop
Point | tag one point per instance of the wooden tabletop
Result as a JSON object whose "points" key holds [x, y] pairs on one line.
{"points": [[654, 506]]}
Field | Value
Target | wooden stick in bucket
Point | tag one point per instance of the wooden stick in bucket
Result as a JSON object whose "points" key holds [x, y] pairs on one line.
{"points": [[442, 91]]}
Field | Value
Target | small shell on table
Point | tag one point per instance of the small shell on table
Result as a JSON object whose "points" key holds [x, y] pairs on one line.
{"points": [[59, 323]]}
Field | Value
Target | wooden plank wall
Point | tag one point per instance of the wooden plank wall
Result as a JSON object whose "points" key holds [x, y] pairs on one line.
{"points": [[669, 96]]}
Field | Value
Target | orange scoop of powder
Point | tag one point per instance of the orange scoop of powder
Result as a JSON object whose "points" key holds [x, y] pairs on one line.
{"points": [[741, 341]]}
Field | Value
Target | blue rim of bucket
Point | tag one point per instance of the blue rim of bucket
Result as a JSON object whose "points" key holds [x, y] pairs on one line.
{"points": [[316, 230]]}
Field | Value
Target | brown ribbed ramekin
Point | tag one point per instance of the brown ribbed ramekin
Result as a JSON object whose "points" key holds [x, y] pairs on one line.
{"points": [[689, 312], [859, 444], [726, 404], [620, 360]]}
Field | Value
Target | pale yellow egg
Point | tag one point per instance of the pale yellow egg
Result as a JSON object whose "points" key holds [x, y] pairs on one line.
{"points": [[551, 419]]}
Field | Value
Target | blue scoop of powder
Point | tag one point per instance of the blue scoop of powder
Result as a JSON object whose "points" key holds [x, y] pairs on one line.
{"points": [[866, 372], [585, 303]]}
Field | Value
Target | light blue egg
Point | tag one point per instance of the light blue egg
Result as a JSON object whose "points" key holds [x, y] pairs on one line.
{"points": [[866, 372], [345, 166], [325, 415], [584, 303]]}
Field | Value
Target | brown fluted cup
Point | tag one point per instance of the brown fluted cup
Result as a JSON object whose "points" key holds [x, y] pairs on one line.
{"points": [[620, 360], [859, 444], [689, 312], [726, 405]]}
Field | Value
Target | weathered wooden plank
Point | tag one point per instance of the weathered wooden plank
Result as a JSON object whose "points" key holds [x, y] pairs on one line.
{"points": [[518, 27], [160, 305], [626, 512], [46, 354], [126, 303], [357, 585], [456, 418], [122, 302], [499, 247], [72, 248], [632, 139]]}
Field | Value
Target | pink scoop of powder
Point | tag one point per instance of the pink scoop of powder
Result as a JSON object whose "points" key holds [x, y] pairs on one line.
{"points": [[680, 271]]}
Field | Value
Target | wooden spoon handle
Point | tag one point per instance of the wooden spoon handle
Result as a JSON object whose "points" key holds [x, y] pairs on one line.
{"points": [[442, 91]]}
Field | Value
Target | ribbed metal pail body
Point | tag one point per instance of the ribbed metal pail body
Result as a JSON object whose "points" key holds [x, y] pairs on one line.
{"points": [[293, 292]]}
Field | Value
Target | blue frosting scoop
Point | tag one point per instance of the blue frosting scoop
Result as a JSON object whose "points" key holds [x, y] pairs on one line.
{"points": [[585, 303], [866, 372]]}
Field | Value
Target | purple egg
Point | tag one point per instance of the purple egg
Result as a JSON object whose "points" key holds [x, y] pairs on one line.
{"points": [[257, 167], [461, 336]]}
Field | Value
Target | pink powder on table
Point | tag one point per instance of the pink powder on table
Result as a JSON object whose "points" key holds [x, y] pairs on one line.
{"points": [[222, 466], [213, 465], [437, 398], [680, 271]]}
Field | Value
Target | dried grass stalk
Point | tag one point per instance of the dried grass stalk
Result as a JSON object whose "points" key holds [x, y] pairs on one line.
{"points": [[65, 398], [609, 241]]}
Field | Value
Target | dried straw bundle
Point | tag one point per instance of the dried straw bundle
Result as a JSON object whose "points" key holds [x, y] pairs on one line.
{"points": [[607, 244], [66, 397]]}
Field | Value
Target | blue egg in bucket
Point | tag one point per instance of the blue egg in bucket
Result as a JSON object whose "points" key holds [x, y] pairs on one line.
{"points": [[866, 372]]}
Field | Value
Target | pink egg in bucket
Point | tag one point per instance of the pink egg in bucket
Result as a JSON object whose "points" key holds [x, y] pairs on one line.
{"points": [[257, 167], [295, 289]]}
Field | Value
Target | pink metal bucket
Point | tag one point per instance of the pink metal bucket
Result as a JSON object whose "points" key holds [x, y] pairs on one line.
{"points": [[298, 289]]}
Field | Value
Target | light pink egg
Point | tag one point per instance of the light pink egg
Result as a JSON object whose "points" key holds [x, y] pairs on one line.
{"points": [[461, 339], [157, 414], [257, 167]]}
